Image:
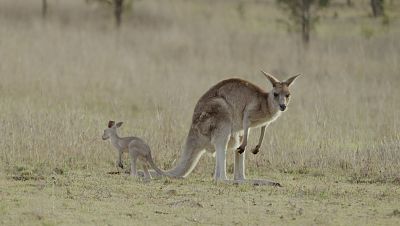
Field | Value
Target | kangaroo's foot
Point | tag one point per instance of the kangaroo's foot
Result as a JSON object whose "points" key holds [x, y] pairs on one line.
{"points": [[224, 181], [241, 149], [120, 165], [256, 149], [257, 182]]}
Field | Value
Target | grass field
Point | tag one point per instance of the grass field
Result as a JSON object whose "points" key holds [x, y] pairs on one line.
{"points": [[336, 151]]}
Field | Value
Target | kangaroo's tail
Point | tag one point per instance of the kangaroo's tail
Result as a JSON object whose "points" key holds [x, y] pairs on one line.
{"points": [[192, 151]]}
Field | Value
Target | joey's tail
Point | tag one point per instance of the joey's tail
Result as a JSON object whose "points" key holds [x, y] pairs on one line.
{"points": [[153, 165]]}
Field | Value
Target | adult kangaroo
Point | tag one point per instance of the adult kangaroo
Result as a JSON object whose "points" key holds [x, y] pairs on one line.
{"points": [[222, 119]]}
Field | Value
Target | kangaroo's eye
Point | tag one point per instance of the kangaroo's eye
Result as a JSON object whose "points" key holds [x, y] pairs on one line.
{"points": [[287, 95], [276, 94]]}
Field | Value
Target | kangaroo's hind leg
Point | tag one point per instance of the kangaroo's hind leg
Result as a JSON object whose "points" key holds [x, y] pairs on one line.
{"points": [[220, 143], [239, 173], [220, 133], [133, 166], [119, 160], [147, 175], [133, 154], [239, 166]]}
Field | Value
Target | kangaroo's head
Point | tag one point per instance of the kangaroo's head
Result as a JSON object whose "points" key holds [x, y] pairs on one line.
{"points": [[280, 91], [111, 130]]}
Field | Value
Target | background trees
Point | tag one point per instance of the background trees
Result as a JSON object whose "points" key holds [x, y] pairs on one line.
{"points": [[303, 14], [44, 8], [119, 6], [377, 8]]}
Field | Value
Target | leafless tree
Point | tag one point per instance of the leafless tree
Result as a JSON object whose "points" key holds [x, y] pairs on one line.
{"points": [[377, 8], [349, 3], [118, 8], [44, 8], [302, 14]]}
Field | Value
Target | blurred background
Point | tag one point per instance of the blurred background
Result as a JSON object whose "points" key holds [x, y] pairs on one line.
{"points": [[67, 67]]}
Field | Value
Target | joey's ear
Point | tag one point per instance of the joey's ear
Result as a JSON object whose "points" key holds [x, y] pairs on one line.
{"points": [[119, 124], [271, 78], [290, 80], [110, 124]]}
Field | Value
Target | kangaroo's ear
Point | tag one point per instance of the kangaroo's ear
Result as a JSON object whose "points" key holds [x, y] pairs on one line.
{"points": [[271, 78], [119, 124], [110, 124], [290, 80]]}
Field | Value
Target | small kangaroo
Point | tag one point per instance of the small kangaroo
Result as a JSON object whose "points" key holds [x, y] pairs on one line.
{"points": [[136, 147]]}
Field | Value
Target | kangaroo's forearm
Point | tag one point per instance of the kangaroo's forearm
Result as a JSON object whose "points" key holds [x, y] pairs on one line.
{"points": [[246, 124], [260, 140]]}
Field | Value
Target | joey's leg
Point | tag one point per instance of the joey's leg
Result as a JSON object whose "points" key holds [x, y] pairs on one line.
{"points": [[119, 160], [260, 140], [246, 124], [147, 175], [133, 166]]}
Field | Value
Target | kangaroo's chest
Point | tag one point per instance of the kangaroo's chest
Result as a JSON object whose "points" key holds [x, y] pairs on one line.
{"points": [[120, 146], [264, 121]]}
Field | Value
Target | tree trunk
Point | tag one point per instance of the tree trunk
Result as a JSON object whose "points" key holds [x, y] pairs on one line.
{"points": [[306, 21], [44, 8], [118, 11], [349, 3], [377, 7]]}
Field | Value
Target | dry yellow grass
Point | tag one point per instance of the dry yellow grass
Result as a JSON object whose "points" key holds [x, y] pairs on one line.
{"points": [[62, 79]]}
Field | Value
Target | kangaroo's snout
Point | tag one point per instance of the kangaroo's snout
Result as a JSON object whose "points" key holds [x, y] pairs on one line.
{"points": [[283, 107]]}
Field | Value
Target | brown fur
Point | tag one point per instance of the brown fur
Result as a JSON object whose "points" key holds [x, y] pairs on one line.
{"points": [[223, 116]]}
